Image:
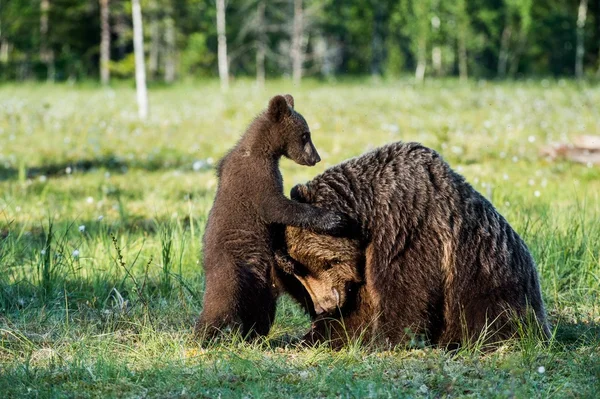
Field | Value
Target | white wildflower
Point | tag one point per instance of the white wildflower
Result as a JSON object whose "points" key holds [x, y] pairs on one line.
{"points": [[76, 253], [90, 200], [537, 193], [541, 369], [82, 228], [100, 218], [197, 165]]}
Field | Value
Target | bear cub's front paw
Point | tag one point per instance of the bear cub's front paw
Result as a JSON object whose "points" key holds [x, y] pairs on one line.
{"points": [[339, 224]]}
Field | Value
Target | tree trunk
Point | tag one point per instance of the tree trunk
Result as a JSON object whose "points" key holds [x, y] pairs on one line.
{"points": [[504, 50], [580, 52], [297, 37], [261, 45], [170, 49], [140, 67], [4, 50], [462, 57], [46, 54], [154, 44], [597, 71], [104, 42], [222, 46], [421, 60], [436, 60], [462, 26], [377, 40]]}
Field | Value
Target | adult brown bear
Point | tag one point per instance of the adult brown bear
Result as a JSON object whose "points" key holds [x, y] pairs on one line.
{"points": [[436, 258]]}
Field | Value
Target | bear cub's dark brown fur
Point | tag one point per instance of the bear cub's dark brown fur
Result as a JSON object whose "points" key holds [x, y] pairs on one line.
{"points": [[437, 259], [247, 218]]}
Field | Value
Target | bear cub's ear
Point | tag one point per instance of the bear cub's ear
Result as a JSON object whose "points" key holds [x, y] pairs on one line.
{"points": [[298, 193], [290, 100], [278, 108]]}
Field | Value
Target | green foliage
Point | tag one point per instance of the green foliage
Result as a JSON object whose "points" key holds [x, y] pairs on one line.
{"points": [[501, 38], [196, 59], [124, 68]]}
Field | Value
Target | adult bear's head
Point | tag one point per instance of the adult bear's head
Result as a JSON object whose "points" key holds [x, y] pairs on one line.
{"points": [[328, 267]]}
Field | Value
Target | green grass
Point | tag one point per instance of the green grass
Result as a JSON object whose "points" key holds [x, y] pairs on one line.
{"points": [[108, 311]]}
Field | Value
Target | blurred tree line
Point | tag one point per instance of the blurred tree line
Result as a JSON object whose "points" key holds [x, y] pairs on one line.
{"points": [[93, 39]]}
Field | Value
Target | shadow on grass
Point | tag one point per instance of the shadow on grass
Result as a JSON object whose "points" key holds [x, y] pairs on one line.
{"points": [[110, 163], [131, 224], [577, 334]]}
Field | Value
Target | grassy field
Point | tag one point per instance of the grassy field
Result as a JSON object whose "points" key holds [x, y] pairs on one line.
{"points": [[101, 219]]}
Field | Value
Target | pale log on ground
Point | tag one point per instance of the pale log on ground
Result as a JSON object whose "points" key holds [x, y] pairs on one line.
{"points": [[585, 149]]}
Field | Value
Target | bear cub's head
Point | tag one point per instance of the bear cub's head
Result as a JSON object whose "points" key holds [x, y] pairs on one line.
{"points": [[292, 135], [328, 267]]}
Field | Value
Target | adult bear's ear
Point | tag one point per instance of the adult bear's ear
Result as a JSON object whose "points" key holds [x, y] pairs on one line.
{"points": [[290, 100], [299, 193], [278, 108]]}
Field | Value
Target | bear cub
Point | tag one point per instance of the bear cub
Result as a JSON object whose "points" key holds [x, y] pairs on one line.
{"points": [[246, 222]]}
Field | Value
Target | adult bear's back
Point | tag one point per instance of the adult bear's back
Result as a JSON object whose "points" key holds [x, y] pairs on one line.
{"points": [[440, 259]]}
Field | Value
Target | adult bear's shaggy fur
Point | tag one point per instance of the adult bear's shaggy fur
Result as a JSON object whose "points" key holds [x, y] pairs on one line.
{"points": [[437, 258]]}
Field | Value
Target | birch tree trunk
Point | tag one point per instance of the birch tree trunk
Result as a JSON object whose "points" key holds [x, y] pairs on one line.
{"points": [[597, 71], [4, 50], [261, 45], [421, 60], [46, 54], [297, 36], [377, 40], [140, 67], [222, 46], [154, 44], [170, 49], [504, 51], [3, 47], [436, 60], [462, 18], [462, 58], [580, 52], [104, 42]]}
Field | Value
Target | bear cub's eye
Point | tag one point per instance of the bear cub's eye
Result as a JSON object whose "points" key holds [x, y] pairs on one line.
{"points": [[305, 137]]}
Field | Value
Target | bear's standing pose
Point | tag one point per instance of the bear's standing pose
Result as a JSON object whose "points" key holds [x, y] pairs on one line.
{"points": [[246, 220], [437, 258]]}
